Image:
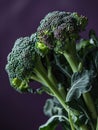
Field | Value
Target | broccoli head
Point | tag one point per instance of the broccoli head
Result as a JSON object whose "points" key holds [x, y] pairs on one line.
{"points": [[25, 64], [59, 31], [60, 26], [20, 63]]}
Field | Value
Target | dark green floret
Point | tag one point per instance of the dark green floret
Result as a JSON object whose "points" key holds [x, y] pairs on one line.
{"points": [[59, 26], [59, 31]]}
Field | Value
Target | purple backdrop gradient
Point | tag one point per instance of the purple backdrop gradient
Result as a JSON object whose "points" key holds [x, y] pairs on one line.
{"points": [[20, 18]]}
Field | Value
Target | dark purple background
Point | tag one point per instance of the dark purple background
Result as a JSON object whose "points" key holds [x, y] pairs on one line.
{"points": [[21, 18]]}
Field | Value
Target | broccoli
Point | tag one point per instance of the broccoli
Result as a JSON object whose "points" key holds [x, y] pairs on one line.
{"points": [[59, 31], [24, 64], [56, 56], [60, 26], [20, 63]]}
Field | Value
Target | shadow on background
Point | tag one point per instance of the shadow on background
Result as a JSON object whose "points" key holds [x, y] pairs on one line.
{"points": [[19, 18]]}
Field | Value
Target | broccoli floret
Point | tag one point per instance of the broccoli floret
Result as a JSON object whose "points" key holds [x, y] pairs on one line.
{"points": [[59, 31], [20, 63], [25, 64], [60, 26], [21, 58]]}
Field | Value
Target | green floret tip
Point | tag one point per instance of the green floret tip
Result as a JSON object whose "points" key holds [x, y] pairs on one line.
{"points": [[19, 85], [41, 48]]}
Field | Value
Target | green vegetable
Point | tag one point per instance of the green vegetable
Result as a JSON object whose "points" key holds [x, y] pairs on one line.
{"points": [[60, 31], [65, 64], [20, 63], [25, 65]]}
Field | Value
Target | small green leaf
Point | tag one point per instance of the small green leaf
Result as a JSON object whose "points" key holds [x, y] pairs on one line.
{"points": [[48, 107], [80, 83], [52, 108], [52, 123]]}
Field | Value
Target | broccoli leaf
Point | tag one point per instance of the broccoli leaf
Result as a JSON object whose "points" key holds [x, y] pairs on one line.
{"points": [[52, 123], [80, 83], [52, 107]]}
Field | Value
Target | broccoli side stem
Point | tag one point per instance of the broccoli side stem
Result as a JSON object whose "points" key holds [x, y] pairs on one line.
{"points": [[71, 121], [44, 78], [90, 104], [49, 71], [47, 82], [72, 60], [62, 91]]}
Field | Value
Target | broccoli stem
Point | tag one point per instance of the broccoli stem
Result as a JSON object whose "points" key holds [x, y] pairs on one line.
{"points": [[54, 90], [43, 77], [49, 71], [71, 121], [90, 105], [47, 82], [72, 60], [62, 91]]}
